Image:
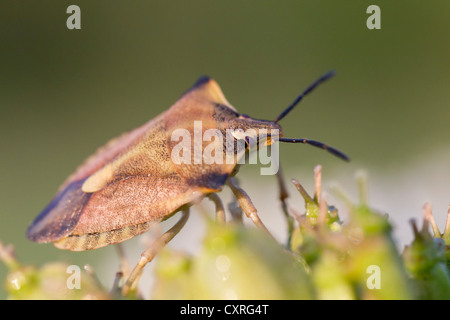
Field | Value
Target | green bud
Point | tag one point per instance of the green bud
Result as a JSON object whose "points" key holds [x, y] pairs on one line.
{"points": [[173, 276], [235, 263], [425, 261], [52, 282]]}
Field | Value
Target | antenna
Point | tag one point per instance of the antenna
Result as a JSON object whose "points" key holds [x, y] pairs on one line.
{"points": [[304, 93], [318, 144]]}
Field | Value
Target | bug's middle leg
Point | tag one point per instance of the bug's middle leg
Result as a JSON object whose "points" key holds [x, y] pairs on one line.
{"points": [[148, 255], [246, 204], [220, 210]]}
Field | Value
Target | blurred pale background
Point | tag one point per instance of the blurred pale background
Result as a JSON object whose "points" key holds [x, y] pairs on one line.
{"points": [[65, 92]]}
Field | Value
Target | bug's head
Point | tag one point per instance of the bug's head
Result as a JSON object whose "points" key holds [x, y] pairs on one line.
{"points": [[256, 132], [265, 132]]}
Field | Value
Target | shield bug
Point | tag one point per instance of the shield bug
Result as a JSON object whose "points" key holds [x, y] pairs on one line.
{"points": [[147, 175]]}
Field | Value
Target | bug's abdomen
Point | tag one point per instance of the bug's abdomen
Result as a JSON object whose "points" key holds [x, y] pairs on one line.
{"points": [[100, 239]]}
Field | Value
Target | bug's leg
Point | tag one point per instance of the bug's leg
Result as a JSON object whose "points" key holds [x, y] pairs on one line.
{"points": [[124, 263], [246, 204], [283, 195], [220, 211], [115, 289], [234, 208], [236, 211], [152, 251]]}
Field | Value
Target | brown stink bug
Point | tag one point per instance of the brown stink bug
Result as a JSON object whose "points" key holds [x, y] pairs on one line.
{"points": [[135, 181]]}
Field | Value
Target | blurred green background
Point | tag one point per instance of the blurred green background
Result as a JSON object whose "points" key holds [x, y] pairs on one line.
{"points": [[63, 93]]}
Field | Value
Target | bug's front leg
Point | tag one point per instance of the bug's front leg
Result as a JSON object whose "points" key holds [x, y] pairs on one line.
{"points": [[220, 210], [148, 255], [246, 204]]}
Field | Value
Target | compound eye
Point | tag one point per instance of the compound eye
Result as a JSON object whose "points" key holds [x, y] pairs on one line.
{"points": [[238, 134]]}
